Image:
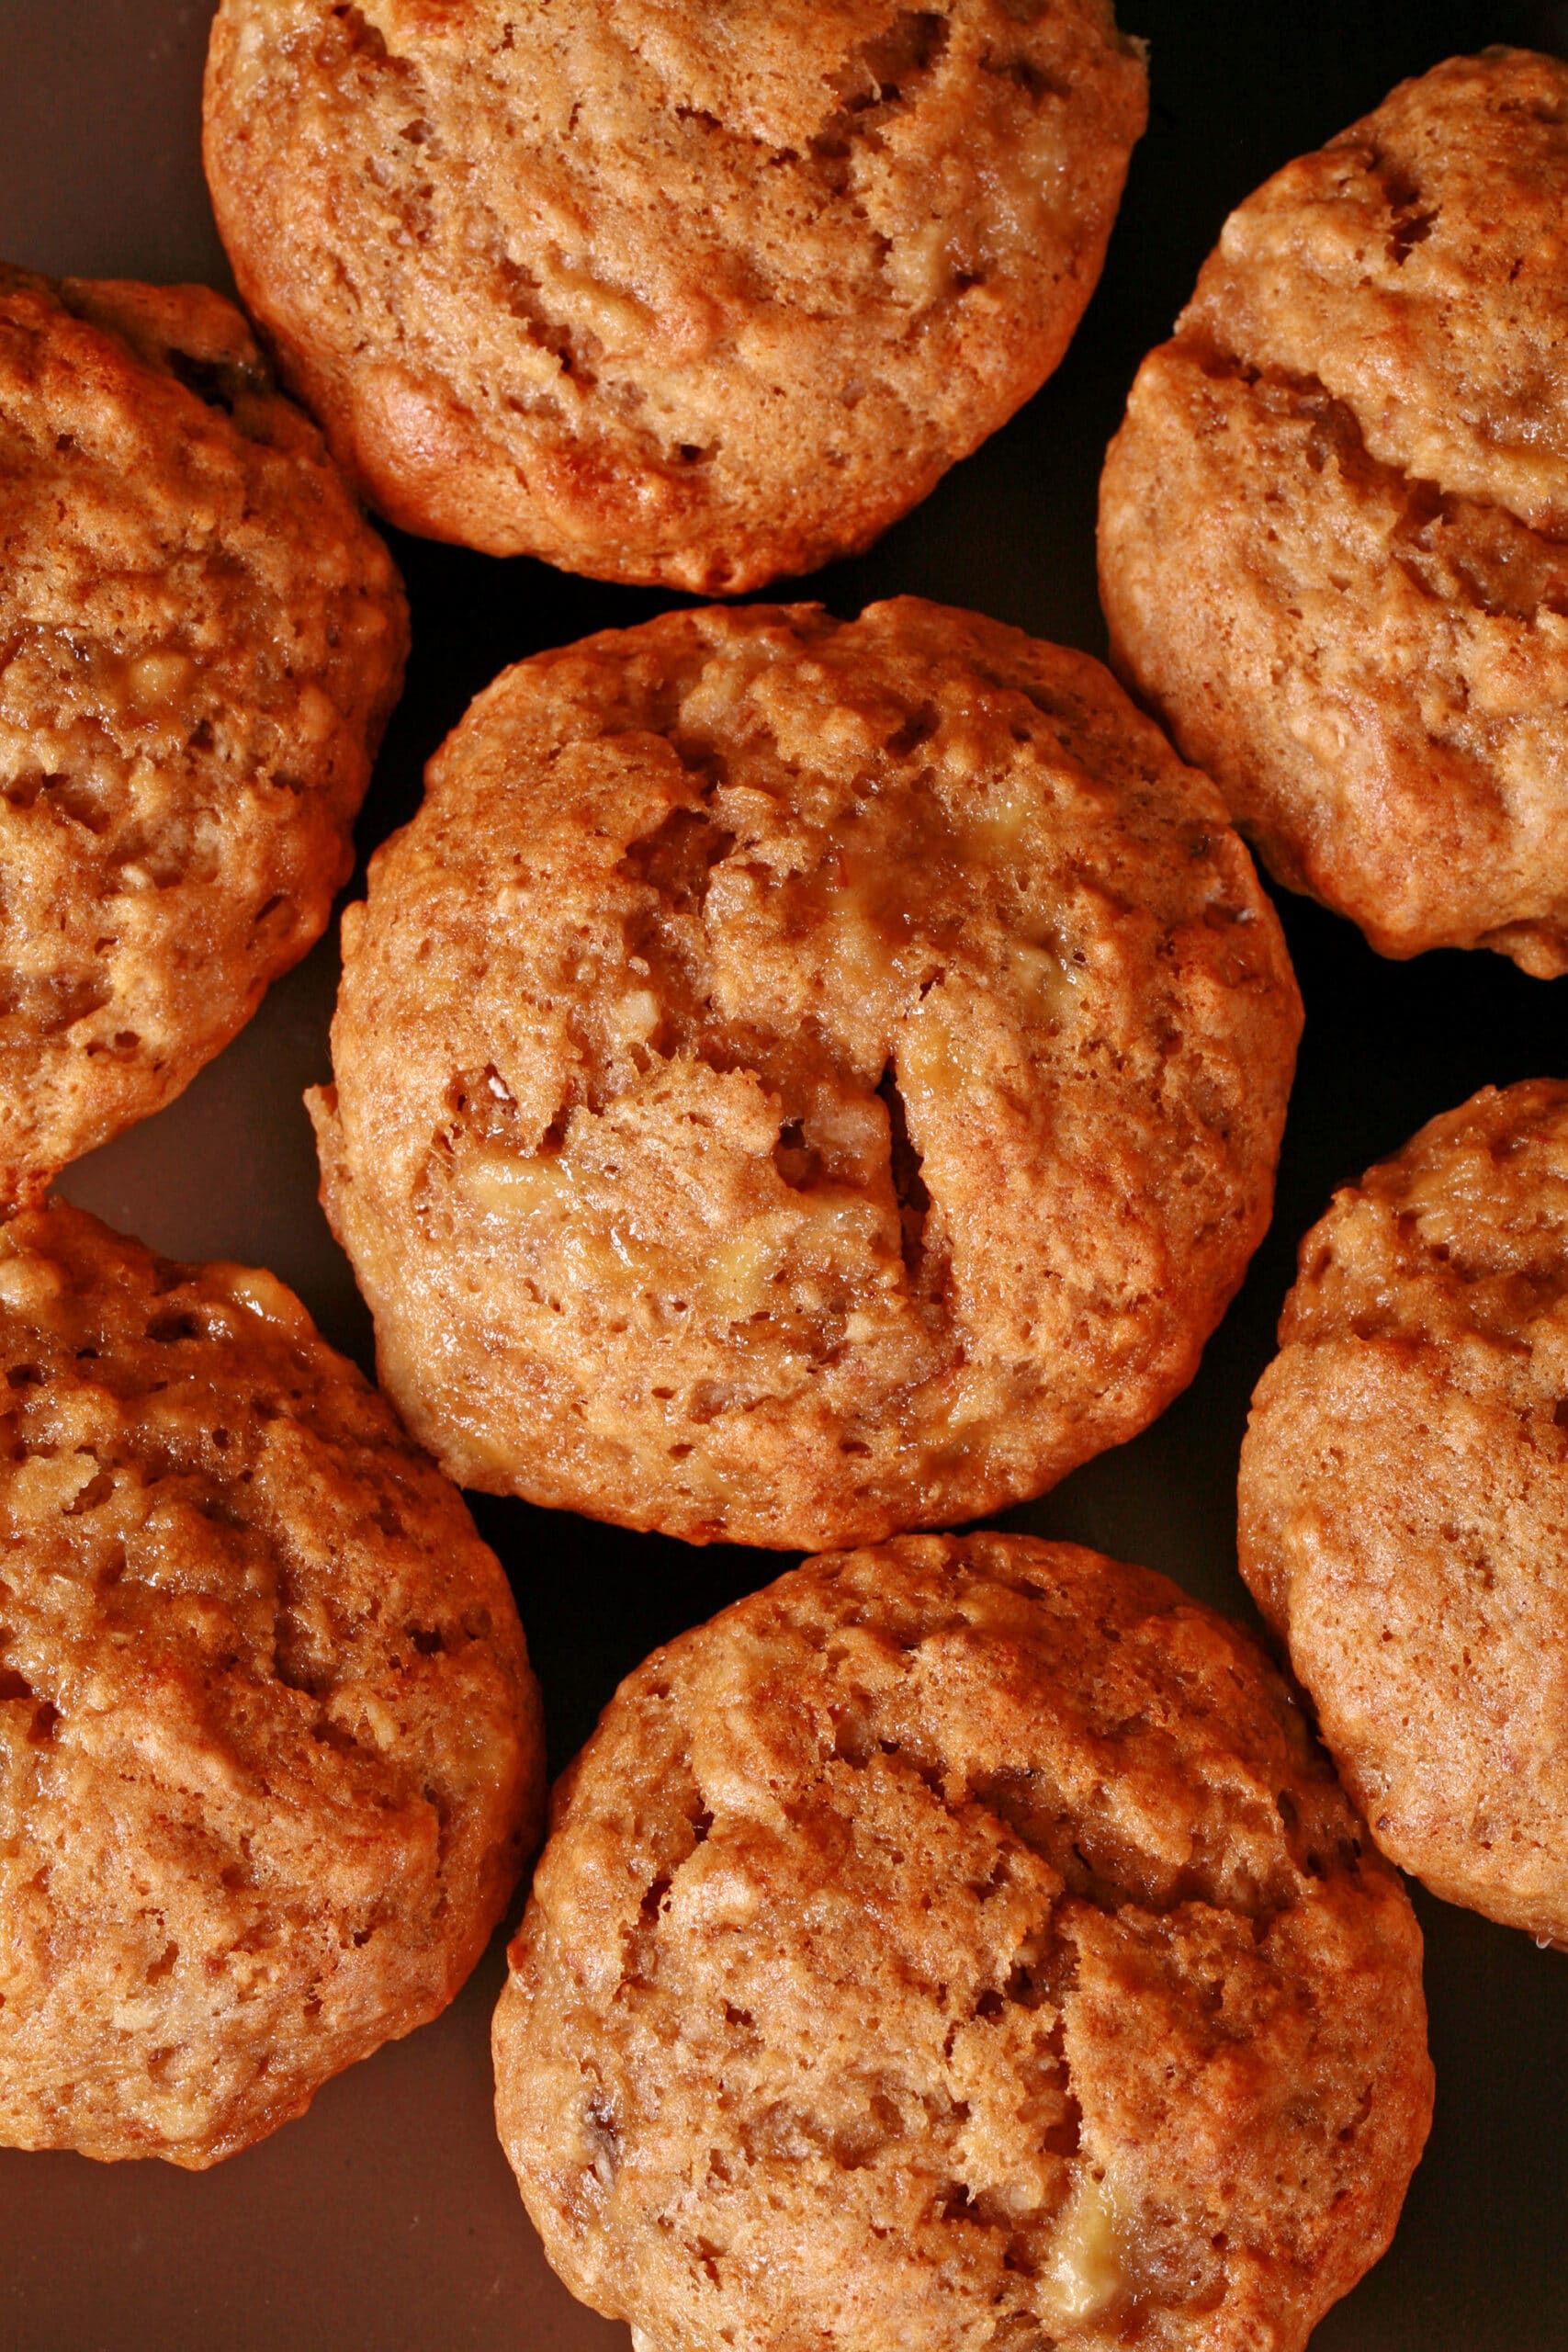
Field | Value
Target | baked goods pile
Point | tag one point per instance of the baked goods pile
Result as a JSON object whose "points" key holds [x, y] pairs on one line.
{"points": [[796, 1081]]}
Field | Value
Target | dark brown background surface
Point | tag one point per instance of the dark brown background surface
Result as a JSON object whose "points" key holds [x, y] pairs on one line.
{"points": [[386, 2221]]}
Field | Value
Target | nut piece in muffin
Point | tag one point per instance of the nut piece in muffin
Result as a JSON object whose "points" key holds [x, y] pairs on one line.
{"points": [[1404, 1499], [1334, 528], [663, 291], [270, 1749], [962, 1943], [798, 1080], [200, 641]]}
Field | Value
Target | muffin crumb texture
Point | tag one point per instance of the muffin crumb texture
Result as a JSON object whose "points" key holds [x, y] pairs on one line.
{"points": [[1404, 1499], [1334, 528], [666, 292], [200, 641], [797, 1080], [270, 1750], [961, 1943]]}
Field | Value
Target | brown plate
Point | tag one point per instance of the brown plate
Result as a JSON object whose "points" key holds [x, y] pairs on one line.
{"points": [[386, 2221]]}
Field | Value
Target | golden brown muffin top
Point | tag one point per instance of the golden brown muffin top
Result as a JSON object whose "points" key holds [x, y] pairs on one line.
{"points": [[200, 641], [1326, 550], [665, 291], [1416, 268], [961, 1943], [1464, 1232], [1374, 674], [1405, 1499], [795, 1079], [270, 1751]]}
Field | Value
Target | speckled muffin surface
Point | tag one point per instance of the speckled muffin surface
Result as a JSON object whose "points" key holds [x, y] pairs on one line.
{"points": [[961, 1944], [199, 642], [1404, 1499], [1334, 526], [666, 292], [270, 1749], [798, 1079]]}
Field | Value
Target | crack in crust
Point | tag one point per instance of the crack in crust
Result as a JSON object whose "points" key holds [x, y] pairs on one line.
{"points": [[1460, 551]]}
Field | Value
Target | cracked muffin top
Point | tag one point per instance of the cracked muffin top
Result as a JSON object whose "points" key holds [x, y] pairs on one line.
{"points": [[1403, 1499], [665, 291], [200, 641], [799, 1080], [1334, 529], [270, 1750], [962, 1944]]}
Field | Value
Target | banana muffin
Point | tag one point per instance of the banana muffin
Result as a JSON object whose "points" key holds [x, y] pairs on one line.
{"points": [[1334, 528], [962, 1944], [270, 1750], [1405, 1500], [664, 291], [200, 641], [796, 1080]]}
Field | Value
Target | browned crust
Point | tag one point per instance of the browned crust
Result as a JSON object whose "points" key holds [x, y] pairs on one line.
{"points": [[659, 305], [270, 1750], [200, 641], [1332, 549], [1403, 1499], [794, 1080], [923, 1902]]}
